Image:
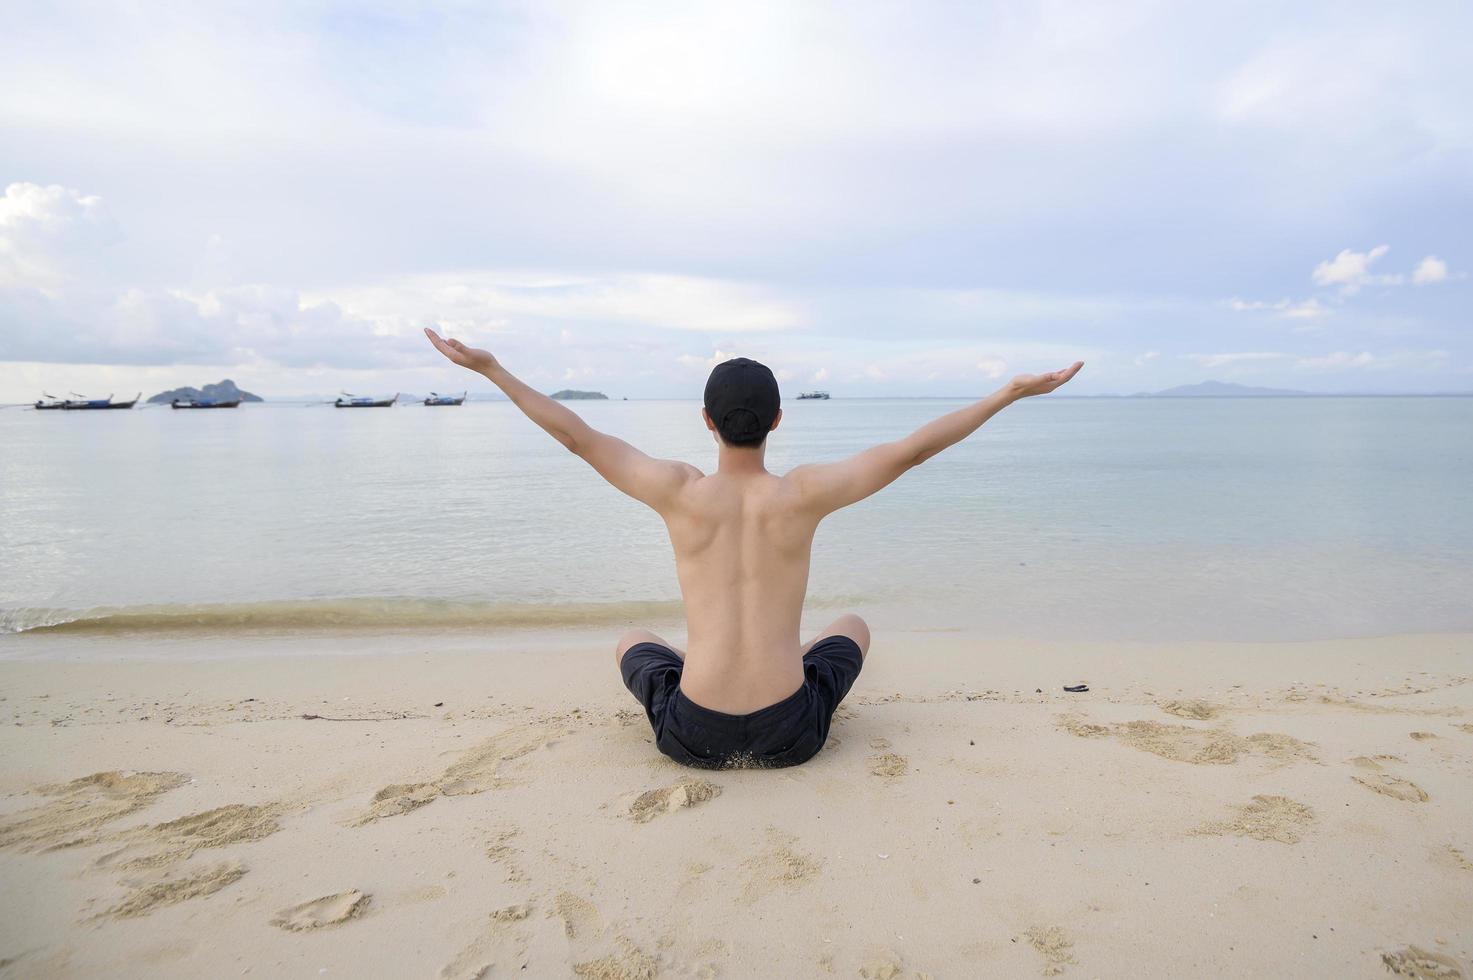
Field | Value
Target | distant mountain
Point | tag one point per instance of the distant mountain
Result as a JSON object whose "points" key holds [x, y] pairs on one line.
{"points": [[223, 391], [1222, 389], [568, 394]]}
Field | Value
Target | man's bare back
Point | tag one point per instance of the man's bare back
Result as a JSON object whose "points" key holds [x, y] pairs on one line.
{"points": [[742, 543], [743, 536]]}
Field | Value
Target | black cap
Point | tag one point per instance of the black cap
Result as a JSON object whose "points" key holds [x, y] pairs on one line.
{"points": [[742, 399]]}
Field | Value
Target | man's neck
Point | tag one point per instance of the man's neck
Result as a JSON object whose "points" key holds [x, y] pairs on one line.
{"points": [[741, 461]]}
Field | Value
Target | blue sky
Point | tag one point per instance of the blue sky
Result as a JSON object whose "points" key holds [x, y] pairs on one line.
{"points": [[879, 199]]}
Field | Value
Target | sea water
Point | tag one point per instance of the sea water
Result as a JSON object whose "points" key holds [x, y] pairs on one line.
{"points": [[1095, 518]]}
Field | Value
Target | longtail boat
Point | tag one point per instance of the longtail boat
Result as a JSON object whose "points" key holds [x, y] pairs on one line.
{"points": [[356, 401], [94, 404], [202, 403], [438, 399]]}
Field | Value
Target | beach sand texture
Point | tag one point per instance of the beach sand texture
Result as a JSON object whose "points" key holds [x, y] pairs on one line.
{"points": [[459, 808]]}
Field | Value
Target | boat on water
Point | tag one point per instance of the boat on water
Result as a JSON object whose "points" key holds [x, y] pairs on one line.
{"points": [[80, 404], [203, 403], [814, 395], [48, 402], [359, 401], [438, 399]]}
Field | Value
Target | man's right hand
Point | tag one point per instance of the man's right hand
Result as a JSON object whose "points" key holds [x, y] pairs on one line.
{"points": [[1025, 385], [474, 358]]}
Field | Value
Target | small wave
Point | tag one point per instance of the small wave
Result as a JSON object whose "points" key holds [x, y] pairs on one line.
{"points": [[333, 614]]}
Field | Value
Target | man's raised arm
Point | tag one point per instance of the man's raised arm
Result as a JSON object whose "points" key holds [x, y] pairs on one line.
{"points": [[648, 480], [830, 486]]}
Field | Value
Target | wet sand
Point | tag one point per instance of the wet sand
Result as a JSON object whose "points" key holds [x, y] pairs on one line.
{"points": [[441, 805]]}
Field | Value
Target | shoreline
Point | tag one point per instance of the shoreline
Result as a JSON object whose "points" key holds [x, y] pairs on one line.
{"points": [[501, 804]]}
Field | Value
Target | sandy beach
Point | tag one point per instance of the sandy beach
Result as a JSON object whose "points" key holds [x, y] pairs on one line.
{"points": [[448, 806]]}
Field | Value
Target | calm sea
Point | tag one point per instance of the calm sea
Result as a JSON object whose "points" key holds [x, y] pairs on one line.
{"points": [[1062, 518]]}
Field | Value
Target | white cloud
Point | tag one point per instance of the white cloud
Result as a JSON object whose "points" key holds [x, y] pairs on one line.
{"points": [[1246, 306], [1430, 269], [478, 299], [1227, 359], [1339, 359], [992, 367], [822, 374], [1142, 360], [47, 232], [1306, 309], [1351, 270], [703, 365]]}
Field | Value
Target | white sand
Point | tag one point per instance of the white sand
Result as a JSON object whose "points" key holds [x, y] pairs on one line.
{"points": [[1271, 822]]}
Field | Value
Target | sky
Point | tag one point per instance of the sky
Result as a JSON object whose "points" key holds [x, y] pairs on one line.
{"points": [[872, 198]]}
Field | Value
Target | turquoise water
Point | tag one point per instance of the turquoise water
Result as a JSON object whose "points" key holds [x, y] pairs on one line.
{"points": [[1062, 518]]}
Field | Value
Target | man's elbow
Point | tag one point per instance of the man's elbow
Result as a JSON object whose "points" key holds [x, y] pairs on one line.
{"points": [[916, 455]]}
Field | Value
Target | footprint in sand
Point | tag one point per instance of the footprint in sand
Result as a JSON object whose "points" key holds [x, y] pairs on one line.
{"points": [[1275, 818], [1422, 964], [1466, 729], [1422, 736], [1456, 858], [630, 963], [476, 771], [580, 919], [778, 865], [329, 910], [167, 843], [888, 764], [684, 792], [512, 913], [1393, 786], [500, 850], [884, 964], [398, 798], [149, 895], [1199, 746], [1053, 944], [79, 808], [1195, 710], [1373, 762], [502, 942]]}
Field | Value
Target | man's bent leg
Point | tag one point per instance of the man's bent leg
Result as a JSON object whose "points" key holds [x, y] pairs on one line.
{"points": [[636, 636], [848, 625]]}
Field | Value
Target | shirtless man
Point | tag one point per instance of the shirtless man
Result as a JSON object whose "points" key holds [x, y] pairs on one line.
{"points": [[747, 691]]}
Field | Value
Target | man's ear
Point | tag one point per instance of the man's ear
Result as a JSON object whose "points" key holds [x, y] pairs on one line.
{"points": [[710, 426], [776, 419]]}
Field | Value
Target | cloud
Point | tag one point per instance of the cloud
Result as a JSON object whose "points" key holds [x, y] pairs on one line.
{"points": [[239, 325], [1305, 309], [1430, 269], [1142, 360], [1339, 359], [992, 367], [1245, 357], [47, 234], [479, 299], [1351, 270]]}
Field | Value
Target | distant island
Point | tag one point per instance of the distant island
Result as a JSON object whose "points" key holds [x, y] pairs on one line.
{"points": [[569, 395], [223, 391], [1222, 389]]}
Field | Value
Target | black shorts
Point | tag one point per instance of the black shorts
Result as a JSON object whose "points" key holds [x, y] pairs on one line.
{"points": [[783, 734]]}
